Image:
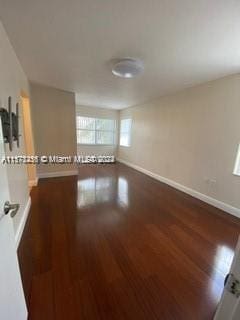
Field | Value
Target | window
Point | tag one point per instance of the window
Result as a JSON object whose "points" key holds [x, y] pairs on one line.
{"points": [[237, 163], [95, 131], [125, 132]]}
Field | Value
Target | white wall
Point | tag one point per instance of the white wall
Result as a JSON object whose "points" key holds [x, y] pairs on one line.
{"points": [[12, 82], [191, 137], [95, 112]]}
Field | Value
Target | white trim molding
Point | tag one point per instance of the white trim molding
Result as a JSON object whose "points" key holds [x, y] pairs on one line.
{"points": [[33, 183], [19, 232], [214, 202], [57, 174]]}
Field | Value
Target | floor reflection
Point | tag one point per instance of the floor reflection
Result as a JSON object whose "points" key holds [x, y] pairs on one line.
{"points": [[94, 190], [123, 192], [100, 189], [221, 266]]}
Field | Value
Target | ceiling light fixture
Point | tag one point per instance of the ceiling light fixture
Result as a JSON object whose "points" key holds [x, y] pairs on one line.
{"points": [[128, 68]]}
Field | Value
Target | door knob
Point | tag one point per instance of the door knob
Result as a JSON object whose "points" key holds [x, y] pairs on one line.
{"points": [[11, 207]]}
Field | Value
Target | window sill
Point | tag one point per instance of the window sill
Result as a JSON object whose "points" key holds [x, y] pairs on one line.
{"points": [[236, 174], [96, 145]]}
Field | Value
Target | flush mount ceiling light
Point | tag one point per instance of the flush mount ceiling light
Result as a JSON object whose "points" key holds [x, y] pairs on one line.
{"points": [[128, 68]]}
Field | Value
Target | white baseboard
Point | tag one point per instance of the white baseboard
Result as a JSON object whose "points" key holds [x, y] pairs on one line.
{"points": [[22, 223], [57, 174], [214, 202], [33, 183]]}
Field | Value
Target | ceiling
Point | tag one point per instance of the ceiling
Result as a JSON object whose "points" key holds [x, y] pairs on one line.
{"points": [[69, 44]]}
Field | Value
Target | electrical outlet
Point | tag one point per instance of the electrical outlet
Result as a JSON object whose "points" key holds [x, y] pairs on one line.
{"points": [[206, 180], [211, 185], [212, 182]]}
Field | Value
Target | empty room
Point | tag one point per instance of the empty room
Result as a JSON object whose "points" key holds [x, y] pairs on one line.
{"points": [[120, 160]]}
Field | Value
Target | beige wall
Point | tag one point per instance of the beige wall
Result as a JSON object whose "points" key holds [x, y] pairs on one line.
{"points": [[98, 113], [54, 126], [12, 82], [191, 137]]}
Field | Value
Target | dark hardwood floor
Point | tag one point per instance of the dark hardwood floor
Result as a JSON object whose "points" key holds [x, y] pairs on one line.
{"points": [[113, 243]]}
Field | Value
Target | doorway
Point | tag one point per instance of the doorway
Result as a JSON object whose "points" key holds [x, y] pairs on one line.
{"points": [[29, 142]]}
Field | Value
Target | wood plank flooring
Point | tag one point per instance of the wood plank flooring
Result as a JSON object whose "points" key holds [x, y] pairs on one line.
{"points": [[112, 243]]}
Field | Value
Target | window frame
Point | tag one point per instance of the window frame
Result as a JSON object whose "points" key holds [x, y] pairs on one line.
{"points": [[97, 130], [129, 132], [236, 170]]}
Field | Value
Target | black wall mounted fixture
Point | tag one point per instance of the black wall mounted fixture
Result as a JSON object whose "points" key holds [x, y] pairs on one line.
{"points": [[10, 124]]}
